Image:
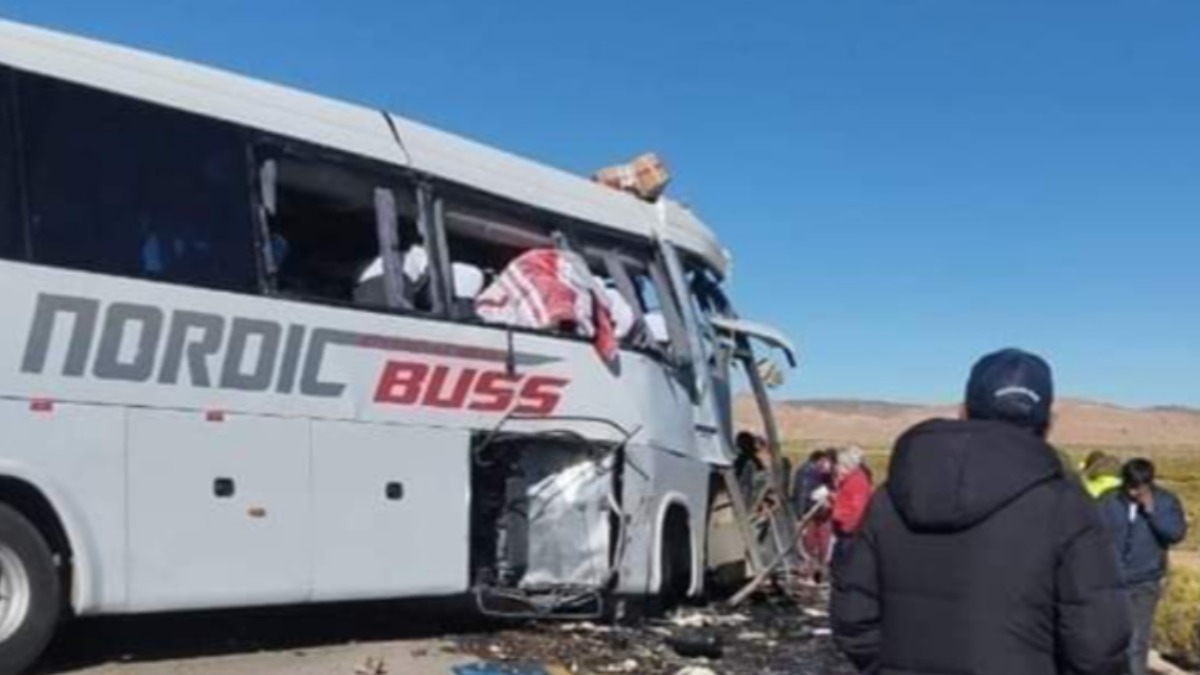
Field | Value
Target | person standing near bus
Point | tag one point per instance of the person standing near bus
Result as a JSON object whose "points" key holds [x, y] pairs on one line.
{"points": [[852, 493], [813, 474], [812, 491], [748, 467], [1145, 521], [1101, 474], [981, 556]]}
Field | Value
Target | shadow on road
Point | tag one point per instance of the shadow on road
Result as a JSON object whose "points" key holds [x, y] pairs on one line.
{"points": [[93, 642]]}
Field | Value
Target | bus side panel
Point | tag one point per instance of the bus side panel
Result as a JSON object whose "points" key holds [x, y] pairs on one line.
{"points": [[202, 350], [655, 481], [75, 455], [121, 342], [391, 509], [219, 510], [639, 393]]}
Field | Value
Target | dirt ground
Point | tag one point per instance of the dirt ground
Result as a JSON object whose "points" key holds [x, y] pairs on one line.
{"points": [[405, 637], [401, 656], [764, 638], [770, 637]]}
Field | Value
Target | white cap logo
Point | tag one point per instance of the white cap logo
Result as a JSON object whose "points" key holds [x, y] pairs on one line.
{"points": [[1018, 391]]}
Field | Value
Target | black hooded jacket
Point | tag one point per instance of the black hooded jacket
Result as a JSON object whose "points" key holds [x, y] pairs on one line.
{"points": [[981, 557]]}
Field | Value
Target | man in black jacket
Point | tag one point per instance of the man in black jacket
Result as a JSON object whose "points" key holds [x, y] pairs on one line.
{"points": [[1145, 521], [981, 557]]}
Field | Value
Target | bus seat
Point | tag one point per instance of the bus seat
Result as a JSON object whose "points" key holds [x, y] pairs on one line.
{"points": [[622, 313], [416, 263], [374, 270], [656, 326], [468, 284], [370, 289], [371, 292]]}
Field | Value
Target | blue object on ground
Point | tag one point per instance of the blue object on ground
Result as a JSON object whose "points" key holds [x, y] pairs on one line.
{"points": [[492, 668]]}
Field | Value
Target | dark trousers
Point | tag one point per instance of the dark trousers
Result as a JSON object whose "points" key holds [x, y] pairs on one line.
{"points": [[1143, 598], [843, 543]]}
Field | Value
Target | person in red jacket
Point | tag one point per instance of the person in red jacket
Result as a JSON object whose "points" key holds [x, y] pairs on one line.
{"points": [[852, 493]]}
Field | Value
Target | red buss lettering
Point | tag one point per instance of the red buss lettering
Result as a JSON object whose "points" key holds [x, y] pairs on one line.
{"points": [[436, 398], [445, 387], [401, 383], [540, 396], [494, 392]]}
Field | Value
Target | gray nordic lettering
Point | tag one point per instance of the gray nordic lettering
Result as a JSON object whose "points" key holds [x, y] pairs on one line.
{"points": [[119, 318], [197, 337], [291, 359], [241, 331], [310, 379], [41, 332]]}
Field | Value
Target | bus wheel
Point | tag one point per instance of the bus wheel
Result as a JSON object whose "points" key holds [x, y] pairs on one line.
{"points": [[675, 561], [30, 593]]}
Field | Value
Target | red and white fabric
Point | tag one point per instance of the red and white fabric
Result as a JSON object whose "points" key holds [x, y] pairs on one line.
{"points": [[551, 289]]}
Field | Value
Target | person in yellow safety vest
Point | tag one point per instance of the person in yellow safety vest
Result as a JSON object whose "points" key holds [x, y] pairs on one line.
{"points": [[1101, 473]]}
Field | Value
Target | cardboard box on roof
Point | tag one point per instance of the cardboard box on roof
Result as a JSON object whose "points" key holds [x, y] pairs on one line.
{"points": [[646, 176]]}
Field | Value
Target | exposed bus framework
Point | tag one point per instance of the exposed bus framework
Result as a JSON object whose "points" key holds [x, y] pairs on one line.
{"points": [[207, 405]]}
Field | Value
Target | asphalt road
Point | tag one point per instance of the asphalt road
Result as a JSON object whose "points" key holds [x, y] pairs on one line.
{"points": [[407, 637]]}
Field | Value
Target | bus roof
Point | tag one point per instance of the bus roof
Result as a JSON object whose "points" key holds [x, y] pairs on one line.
{"points": [[351, 128]]}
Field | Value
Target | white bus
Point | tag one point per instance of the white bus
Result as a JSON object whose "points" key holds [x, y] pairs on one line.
{"points": [[203, 408]]}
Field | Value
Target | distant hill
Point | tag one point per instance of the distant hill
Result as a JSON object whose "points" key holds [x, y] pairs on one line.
{"points": [[1078, 422], [1174, 409]]}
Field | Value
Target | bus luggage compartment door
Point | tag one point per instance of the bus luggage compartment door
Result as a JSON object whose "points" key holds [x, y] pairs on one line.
{"points": [[391, 510], [219, 509]]}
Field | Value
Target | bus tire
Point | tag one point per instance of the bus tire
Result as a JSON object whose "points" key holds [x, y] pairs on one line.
{"points": [[30, 593]]}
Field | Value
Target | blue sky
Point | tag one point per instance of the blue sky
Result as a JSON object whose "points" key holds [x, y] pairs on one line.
{"points": [[904, 185]]}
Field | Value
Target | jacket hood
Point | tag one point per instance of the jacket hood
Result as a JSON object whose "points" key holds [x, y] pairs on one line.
{"points": [[949, 475]]}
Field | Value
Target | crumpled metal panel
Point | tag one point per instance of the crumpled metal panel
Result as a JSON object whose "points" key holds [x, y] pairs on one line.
{"points": [[569, 532]]}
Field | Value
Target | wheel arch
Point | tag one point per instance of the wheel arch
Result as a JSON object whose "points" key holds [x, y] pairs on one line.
{"points": [[35, 498], [671, 503]]}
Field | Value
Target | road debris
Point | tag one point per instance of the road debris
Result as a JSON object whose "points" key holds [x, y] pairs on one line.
{"points": [[689, 620], [706, 618], [583, 627], [769, 635], [374, 665], [626, 666], [696, 670], [697, 645], [492, 668]]}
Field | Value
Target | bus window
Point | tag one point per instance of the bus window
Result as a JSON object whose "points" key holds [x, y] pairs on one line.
{"points": [[626, 316], [481, 242], [653, 310], [323, 235], [119, 186], [12, 226], [663, 319]]}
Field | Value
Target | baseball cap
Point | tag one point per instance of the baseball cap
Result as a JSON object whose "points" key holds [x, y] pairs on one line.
{"points": [[1012, 386]]}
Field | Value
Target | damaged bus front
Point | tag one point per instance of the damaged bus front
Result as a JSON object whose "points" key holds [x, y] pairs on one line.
{"points": [[633, 495]]}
